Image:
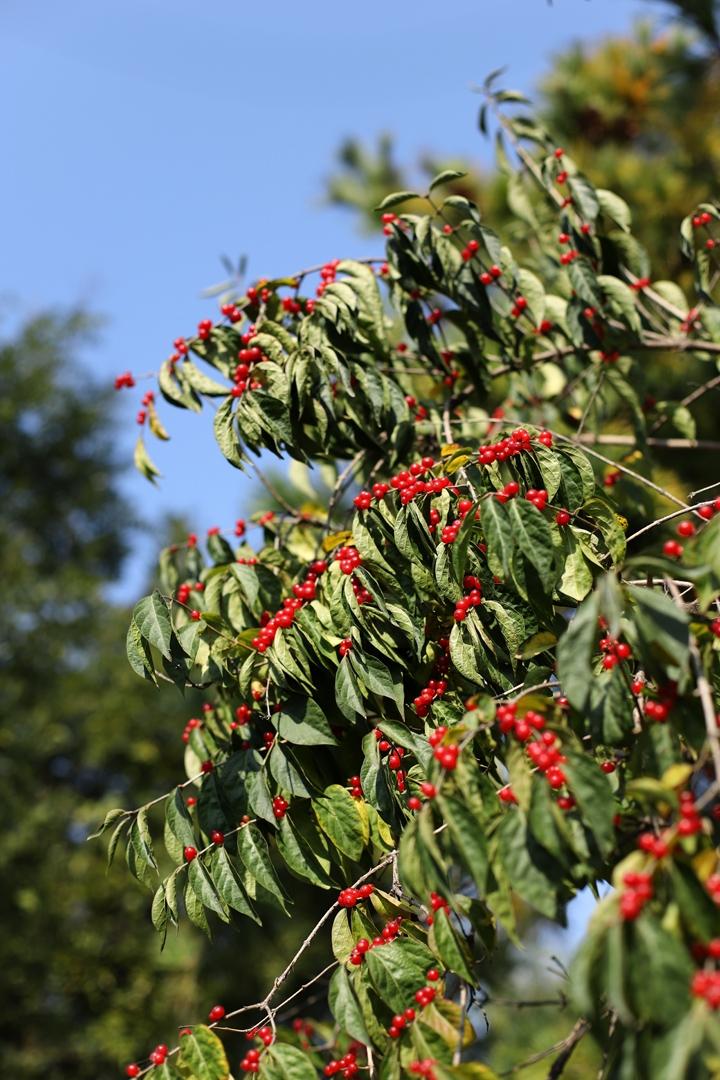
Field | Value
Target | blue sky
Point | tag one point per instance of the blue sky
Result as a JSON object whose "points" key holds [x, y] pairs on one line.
{"points": [[146, 138]]}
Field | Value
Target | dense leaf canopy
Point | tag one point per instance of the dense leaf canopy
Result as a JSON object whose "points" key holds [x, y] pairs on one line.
{"points": [[495, 678]]}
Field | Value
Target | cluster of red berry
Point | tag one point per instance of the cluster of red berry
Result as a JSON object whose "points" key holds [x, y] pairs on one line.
{"points": [[713, 887], [408, 483], [706, 984], [518, 441], [394, 760], [280, 807], [437, 903], [350, 897], [355, 785], [251, 1061], [347, 1064], [614, 652], [147, 400], [541, 747], [348, 559], [435, 688], [446, 755], [328, 273], [191, 725], [389, 932], [472, 599], [122, 381], [284, 617], [427, 789], [638, 892], [659, 709], [423, 1068], [424, 996]]}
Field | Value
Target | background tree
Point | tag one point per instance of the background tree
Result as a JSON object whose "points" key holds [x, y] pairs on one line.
{"points": [[81, 964]]}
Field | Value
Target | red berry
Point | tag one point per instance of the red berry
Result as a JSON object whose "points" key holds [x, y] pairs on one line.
{"points": [[190, 853], [132, 1070], [216, 1013], [608, 766], [217, 837]]}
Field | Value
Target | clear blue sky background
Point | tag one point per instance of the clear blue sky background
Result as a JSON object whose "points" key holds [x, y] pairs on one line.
{"points": [[145, 138]]}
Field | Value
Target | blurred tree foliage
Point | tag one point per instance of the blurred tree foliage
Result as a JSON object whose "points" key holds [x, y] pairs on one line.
{"points": [[640, 112], [84, 979]]}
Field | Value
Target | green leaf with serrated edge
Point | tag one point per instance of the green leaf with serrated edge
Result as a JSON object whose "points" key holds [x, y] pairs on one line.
{"points": [[467, 837], [152, 618], [341, 936], [226, 881], [498, 536], [574, 653], [396, 971], [202, 1053], [449, 949], [298, 858], [338, 815], [345, 1007], [468, 1070], [591, 790], [524, 875], [302, 721], [204, 888], [254, 854]]}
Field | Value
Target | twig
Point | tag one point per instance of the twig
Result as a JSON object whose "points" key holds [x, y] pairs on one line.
{"points": [[464, 1000], [667, 517], [578, 1032]]}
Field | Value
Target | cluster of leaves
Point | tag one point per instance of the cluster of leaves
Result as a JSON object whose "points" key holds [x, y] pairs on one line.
{"points": [[518, 703]]}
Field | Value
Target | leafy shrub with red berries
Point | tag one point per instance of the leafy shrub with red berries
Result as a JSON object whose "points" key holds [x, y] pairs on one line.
{"points": [[490, 678]]}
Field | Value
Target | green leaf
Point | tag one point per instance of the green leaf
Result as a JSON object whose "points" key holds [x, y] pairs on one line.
{"points": [[342, 937], [227, 884], [397, 970], [396, 198], [285, 1062], [204, 888], [204, 1055], [287, 776], [531, 534], [139, 654], [345, 1006], [445, 177], [298, 857], [592, 793], [254, 854], [303, 722], [339, 818], [142, 461], [449, 949], [139, 853], [468, 838], [347, 691], [662, 627], [152, 618], [525, 877], [615, 208], [498, 536], [574, 652], [195, 910], [179, 829]]}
